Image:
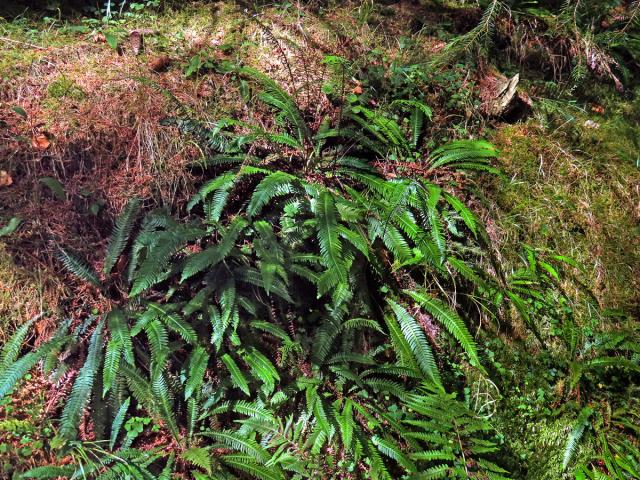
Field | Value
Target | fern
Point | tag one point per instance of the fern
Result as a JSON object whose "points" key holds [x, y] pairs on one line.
{"points": [[11, 349], [118, 421], [121, 233], [198, 456], [197, 368], [418, 343], [79, 268], [329, 241], [450, 320], [575, 436], [237, 377], [82, 387]]}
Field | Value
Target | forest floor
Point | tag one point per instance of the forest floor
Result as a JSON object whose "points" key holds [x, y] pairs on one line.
{"points": [[83, 110]]}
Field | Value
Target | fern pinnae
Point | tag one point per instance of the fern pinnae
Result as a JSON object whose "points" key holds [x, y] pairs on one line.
{"points": [[237, 377], [575, 436], [82, 387], [11, 349], [450, 320], [418, 343], [121, 232], [118, 420], [198, 361], [79, 268]]}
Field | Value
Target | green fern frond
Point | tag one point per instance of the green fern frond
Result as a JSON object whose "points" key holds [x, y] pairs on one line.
{"points": [[198, 456], [11, 349], [276, 184], [175, 323], [118, 420], [464, 154], [328, 239], [198, 361], [451, 322], [217, 253], [241, 444], [82, 387], [49, 472], [575, 436], [164, 405], [166, 244], [261, 368], [79, 268], [391, 450], [159, 346], [251, 468], [418, 343], [237, 377], [121, 233]]}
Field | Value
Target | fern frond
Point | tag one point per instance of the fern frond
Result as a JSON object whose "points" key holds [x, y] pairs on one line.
{"points": [[450, 320], [167, 244], [418, 343], [237, 377], [11, 349], [163, 403], [464, 154], [239, 443], [79, 268], [391, 450], [274, 185], [217, 253], [81, 391], [198, 361], [328, 239], [261, 368], [575, 436], [121, 233], [254, 469], [117, 422], [198, 456]]}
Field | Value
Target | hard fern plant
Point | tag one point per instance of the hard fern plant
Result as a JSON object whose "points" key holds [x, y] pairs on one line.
{"points": [[293, 324]]}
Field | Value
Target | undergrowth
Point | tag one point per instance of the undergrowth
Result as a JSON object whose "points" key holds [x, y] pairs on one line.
{"points": [[339, 298]]}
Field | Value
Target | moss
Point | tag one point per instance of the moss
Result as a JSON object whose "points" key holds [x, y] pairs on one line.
{"points": [[63, 87], [572, 192]]}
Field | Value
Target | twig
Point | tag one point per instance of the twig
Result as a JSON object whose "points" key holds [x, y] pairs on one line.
{"points": [[5, 39]]}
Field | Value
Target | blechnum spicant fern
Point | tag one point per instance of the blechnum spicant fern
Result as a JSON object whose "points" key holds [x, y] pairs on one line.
{"points": [[281, 333]]}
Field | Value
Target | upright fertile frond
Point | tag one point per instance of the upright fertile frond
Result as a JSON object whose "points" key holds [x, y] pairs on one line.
{"points": [[119, 344], [78, 267], [121, 233], [81, 391], [118, 421], [164, 404], [159, 346], [418, 343], [450, 320]]}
